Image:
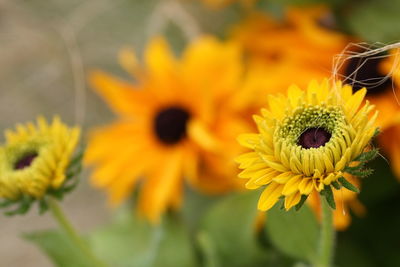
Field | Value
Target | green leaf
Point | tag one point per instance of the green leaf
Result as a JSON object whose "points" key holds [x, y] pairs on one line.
{"points": [[375, 20], [58, 248], [348, 185], [367, 156], [295, 233], [43, 206], [131, 241], [301, 203], [330, 199], [229, 229], [336, 185], [360, 169], [209, 251]]}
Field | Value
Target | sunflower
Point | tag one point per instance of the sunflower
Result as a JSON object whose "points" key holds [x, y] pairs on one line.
{"points": [[34, 158], [177, 122], [306, 142]]}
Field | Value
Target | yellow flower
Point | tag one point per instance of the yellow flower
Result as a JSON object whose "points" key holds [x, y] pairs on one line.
{"points": [[288, 47], [34, 158], [306, 142], [177, 117]]}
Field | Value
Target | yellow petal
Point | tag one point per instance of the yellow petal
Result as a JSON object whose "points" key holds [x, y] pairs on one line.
{"points": [[270, 196], [292, 200]]}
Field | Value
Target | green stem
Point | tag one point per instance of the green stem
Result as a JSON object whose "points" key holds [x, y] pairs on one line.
{"points": [[64, 223], [327, 236]]}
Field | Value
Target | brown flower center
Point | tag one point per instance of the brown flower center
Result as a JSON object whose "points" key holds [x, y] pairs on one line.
{"points": [[365, 72], [170, 124], [25, 161], [314, 138]]}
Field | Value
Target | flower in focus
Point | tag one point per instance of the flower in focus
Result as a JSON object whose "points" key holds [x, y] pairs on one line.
{"points": [[178, 121], [306, 142], [35, 159]]}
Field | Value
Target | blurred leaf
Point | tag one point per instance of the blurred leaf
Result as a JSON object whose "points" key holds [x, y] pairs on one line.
{"points": [[228, 233], [375, 21], [131, 241], [294, 232], [213, 21], [58, 248]]}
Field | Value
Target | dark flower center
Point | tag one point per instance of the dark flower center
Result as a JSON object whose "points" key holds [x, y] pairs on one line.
{"points": [[328, 21], [170, 124], [365, 72], [25, 161], [314, 137]]}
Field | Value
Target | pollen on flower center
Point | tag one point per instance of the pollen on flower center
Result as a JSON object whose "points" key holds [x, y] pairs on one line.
{"points": [[25, 161], [314, 138], [365, 72], [170, 124]]}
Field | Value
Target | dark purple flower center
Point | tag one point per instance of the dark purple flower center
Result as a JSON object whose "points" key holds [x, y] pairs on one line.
{"points": [[170, 124], [25, 161], [314, 138], [365, 72], [328, 21]]}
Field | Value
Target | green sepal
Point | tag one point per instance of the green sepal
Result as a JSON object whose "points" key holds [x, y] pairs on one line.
{"points": [[346, 184], [336, 185], [359, 171], [301, 203], [23, 205], [377, 132], [43, 206], [328, 194], [367, 156]]}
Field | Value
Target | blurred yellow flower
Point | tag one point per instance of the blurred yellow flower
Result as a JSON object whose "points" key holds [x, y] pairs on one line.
{"points": [[306, 142], [385, 94], [178, 121], [35, 158], [300, 46]]}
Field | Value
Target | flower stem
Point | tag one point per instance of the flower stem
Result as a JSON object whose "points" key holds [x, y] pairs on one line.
{"points": [[64, 224], [327, 236]]}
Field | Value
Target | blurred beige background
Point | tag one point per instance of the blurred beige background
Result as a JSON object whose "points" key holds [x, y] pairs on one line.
{"points": [[46, 49]]}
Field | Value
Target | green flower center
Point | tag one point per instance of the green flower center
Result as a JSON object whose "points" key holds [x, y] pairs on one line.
{"points": [[25, 161], [311, 127]]}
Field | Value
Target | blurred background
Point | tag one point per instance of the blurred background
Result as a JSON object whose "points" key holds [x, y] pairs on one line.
{"points": [[47, 47]]}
